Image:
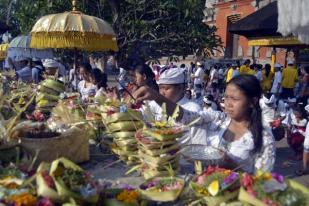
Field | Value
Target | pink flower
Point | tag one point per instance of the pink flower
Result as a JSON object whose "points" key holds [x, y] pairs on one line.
{"points": [[200, 179], [247, 180]]}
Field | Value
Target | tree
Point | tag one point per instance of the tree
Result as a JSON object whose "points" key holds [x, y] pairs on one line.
{"points": [[146, 29], [155, 28]]}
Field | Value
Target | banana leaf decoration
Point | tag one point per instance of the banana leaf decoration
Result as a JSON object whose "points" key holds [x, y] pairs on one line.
{"points": [[42, 188], [62, 192], [64, 115], [13, 122], [246, 198], [156, 194]]}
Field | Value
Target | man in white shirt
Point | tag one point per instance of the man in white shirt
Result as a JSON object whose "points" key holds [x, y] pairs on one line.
{"points": [[271, 109], [172, 86], [276, 87], [37, 70], [258, 74], [198, 77], [24, 74]]}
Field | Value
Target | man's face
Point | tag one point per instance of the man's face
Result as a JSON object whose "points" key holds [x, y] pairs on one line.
{"points": [[173, 92]]}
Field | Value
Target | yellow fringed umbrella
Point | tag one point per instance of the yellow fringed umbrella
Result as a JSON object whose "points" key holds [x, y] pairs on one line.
{"points": [[73, 30], [3, 51]]}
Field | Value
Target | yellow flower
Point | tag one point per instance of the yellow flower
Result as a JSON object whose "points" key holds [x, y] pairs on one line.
{"points": [[267, 176], [24, 199], [213, 187], [227, 172], [127, 196], [260, 175], [160, 124], [203, 191]]}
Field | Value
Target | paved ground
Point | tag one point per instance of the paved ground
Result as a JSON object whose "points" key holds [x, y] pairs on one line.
{"points": [[104, 165], [286, 166]]}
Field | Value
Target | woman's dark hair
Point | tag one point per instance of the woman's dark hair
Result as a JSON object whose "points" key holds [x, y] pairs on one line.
{"points": [[86, 66], [144, 69], [250, 86], [99, 77], [267, 69], [252, 66], [300, 109]]}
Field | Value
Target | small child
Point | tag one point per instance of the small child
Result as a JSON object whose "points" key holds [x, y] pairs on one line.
{"points": [[298, 127]]}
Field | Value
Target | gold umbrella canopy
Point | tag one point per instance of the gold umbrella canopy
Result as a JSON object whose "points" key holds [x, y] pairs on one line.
{"points": [[73, 30]]}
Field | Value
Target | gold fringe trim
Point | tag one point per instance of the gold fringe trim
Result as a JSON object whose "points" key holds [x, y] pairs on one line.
{"points": [[92, 42]]}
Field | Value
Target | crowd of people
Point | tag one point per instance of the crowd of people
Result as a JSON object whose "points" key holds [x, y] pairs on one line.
{"points": [[244, 108], [241, 109]]}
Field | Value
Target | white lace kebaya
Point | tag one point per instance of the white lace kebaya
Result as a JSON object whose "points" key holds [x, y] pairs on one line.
{"points": [[241, 150]]}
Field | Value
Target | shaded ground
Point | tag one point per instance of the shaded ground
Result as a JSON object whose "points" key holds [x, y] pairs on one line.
{"points": [[105, 166]]}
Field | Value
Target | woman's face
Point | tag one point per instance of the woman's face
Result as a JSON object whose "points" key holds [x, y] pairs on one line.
{"points": [[171, 92], [84, 74], [140, 79], [297, 115], [236, 104], [93, 80]]}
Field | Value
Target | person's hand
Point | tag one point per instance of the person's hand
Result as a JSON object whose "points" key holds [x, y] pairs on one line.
{"points": [[145, 93], [111, 93]]}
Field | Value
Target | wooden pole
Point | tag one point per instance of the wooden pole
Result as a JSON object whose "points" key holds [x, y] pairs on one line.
{"points": [[75, 68]]}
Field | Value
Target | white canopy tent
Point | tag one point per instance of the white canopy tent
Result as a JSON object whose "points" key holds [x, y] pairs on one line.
{"points": [[293, 19]]}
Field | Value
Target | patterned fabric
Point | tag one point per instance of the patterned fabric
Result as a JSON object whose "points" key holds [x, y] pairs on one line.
{"points": [[241, 150], [265, 160]]}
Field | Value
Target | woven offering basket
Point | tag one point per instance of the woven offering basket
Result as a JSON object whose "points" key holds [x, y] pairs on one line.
{"points": [[72, 144]]}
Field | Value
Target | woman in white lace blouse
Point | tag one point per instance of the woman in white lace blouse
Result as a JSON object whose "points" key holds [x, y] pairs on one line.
{"points": [[239, 129]]}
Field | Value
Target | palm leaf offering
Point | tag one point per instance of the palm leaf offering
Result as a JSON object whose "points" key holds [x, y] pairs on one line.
{"points": [[158, 146], [66, 113], [216, 185], [14, 189], [162, 189], [63, 180], [122, 120], [48, 94], [263, 189]]}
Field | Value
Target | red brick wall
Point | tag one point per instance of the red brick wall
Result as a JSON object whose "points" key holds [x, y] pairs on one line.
{"points": [[244, 8]]}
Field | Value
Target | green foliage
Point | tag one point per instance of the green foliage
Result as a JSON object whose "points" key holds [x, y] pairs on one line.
{"points": [[149, 29]]}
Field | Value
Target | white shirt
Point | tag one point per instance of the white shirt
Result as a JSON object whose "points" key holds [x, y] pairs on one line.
{"points": [[199, 75], [269, 113], [196, 134], [25, 74], [86, 91], [259, 75], [214, 76], [241, 150], [306, 142], [277, 80]]}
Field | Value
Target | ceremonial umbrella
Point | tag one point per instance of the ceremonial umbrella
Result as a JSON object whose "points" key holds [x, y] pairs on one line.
{"points": [[73, 30], [3, 51], [19, 47]]}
